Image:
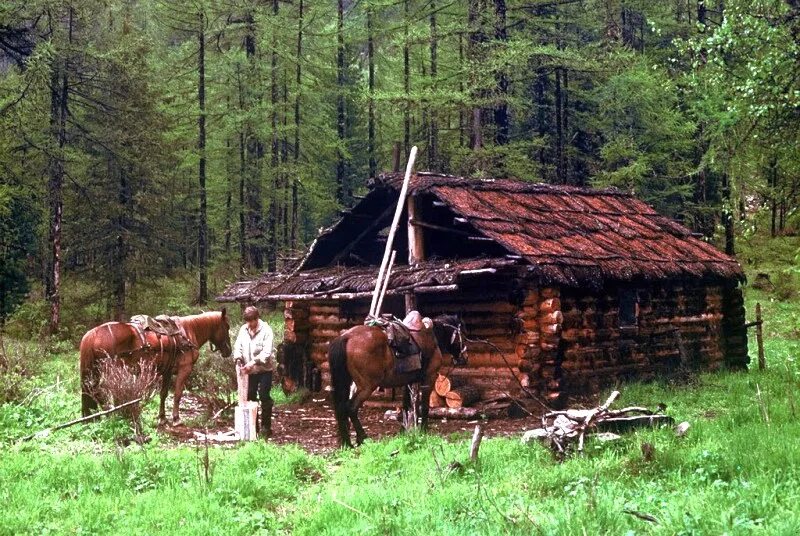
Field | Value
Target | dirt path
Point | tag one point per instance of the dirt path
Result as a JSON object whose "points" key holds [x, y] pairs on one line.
{"points": [[311, 425]]}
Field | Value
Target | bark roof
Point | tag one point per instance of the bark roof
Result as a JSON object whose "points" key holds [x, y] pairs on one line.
{"points": [[561, 234]]}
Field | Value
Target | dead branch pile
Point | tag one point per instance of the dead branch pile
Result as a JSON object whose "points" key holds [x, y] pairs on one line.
{"points": [[562, 430], [121, 383]]}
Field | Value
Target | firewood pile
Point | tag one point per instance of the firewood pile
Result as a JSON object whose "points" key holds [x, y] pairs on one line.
{"points": [[565, 430]]}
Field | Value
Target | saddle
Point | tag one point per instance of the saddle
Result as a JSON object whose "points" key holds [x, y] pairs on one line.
{"points": [[407, 353], [161, 325]]}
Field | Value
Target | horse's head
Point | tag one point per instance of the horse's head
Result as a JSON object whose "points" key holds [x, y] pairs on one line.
{"points": [[220, 337], [451, 337]]}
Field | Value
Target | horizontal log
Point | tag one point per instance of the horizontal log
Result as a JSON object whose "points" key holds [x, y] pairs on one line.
{"points": [[325, 333], [324, 308], [454, 413], [488, 332], [493, 360], [462, 396], [331, 319], [556, 317]]}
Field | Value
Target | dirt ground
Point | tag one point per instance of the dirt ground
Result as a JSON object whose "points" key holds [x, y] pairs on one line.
{"points": [[311, 424]]}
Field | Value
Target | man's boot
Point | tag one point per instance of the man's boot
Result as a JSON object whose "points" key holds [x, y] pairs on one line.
{"points": [[266, 420]]}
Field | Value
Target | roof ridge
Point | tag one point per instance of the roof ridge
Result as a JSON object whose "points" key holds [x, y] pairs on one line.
{"points": [[425, 180]]}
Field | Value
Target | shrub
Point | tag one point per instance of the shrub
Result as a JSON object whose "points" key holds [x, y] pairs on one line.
{"points": [[17, 364], [785, 285], [121, 383], [213, 381]]}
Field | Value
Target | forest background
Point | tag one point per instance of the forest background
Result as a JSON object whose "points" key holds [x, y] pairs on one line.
{"points": [[148, 141]]}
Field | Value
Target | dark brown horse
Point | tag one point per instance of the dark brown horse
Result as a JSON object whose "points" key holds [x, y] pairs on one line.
{"points": [[362, 355], [123, 341]]}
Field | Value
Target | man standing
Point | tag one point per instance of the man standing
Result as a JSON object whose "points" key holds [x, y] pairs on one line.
{"points": [[253, 353]]}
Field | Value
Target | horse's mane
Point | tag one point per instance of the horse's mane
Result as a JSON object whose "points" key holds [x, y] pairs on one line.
{"points": [[451, 320]]}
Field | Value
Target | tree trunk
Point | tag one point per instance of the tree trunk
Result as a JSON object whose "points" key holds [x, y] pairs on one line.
{"points": [[501, 110], [272, 252], [120, 248], [59, 91], [285, 191], [298, 94], [254, 231], [462, 122], [475, 38], [773, 187], [229, 156], [727, 215], [433, 125], [341, 187], [373, 162], [559, 117], [202, 238], [406, 81], [540, 91]]}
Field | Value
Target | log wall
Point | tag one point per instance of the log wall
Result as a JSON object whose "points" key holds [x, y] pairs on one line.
{"points": [[680, 327], [556, 341]]}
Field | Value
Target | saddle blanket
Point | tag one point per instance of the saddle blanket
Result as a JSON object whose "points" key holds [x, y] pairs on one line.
{"points": [[162, 324]]}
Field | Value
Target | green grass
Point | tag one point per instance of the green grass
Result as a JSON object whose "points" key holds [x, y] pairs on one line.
{"points": [[737, 471]]}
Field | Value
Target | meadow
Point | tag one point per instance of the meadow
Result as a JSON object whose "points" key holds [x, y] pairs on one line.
{"points": [[737, 470]]}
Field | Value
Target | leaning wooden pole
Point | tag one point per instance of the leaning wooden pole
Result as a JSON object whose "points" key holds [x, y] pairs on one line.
{"points": [[385, 285], [762, 361], [390, 240]]}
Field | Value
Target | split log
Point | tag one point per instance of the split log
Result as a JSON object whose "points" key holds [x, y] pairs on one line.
{"points": [[444, 385], [463, 396], [436, 400]]}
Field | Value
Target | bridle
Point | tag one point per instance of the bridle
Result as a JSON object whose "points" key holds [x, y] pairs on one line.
{"points": [[459, 335]]}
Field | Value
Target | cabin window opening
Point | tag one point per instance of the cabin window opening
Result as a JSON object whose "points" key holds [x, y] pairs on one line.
{"points": [[628, 308]]}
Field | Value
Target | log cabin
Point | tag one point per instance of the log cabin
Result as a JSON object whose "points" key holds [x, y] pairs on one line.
{"points": [[562, 289]]}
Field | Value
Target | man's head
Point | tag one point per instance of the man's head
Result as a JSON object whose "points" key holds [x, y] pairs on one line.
{"points": [[251, 316]]}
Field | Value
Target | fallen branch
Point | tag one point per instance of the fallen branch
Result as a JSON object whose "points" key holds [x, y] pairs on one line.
{"points": [[562, 428], [47, 431]]}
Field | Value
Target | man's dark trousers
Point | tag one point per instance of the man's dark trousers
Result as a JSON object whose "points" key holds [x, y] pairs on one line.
{"points": [[258, 387]]}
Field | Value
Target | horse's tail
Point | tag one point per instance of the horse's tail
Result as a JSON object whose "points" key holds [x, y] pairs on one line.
{"points": [[87, 370], [340, 382]]}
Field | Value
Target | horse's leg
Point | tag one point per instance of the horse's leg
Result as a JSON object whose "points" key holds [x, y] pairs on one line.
{"points": [[166, 378], [425, 393], [355, 404], [406, 405], [180, 382]]}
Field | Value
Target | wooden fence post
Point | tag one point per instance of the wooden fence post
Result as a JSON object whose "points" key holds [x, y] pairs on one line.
{"points": [[762, 362]]}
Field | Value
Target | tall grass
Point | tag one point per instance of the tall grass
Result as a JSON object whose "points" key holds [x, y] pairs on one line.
{"points": [[737, 470]]}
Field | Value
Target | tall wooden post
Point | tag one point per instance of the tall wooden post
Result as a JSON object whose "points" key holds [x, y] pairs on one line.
{"points": [[416, 244], [762, 362]]}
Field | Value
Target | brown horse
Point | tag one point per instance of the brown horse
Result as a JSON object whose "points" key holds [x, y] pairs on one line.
{"points": [[124, 341], [362, 355]]}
